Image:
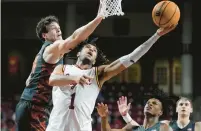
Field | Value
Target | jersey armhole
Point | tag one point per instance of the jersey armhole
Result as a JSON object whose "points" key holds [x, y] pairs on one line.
{"points": [[63, 69], [96, 75]]}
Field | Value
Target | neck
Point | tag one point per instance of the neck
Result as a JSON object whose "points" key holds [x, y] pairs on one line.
{"points": [[48, 41], [83, 65], [150, 121], [183, 120]]}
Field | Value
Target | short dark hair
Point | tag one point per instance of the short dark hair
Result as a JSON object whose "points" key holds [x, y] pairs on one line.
{"points": [[186, 99], [42, 25]]}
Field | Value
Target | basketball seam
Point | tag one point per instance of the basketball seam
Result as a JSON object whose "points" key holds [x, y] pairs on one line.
{"points": [[163, 12], [159, 11], [171, 17]]}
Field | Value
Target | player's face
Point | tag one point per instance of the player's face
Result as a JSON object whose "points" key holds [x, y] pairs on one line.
{"points": [[88, 52], [184, 107], [54, 32], [153, 107]]}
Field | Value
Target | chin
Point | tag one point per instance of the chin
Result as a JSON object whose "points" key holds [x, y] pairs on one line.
{"points": [[148, 113]]}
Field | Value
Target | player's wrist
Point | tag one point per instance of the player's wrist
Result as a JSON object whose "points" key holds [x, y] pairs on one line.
{"points": [[127, 118], [158, 34]]}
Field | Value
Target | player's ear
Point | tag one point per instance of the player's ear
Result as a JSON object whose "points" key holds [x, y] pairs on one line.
{"points": [[78, 54], [44, 35], [160, 113], [191, 110]]}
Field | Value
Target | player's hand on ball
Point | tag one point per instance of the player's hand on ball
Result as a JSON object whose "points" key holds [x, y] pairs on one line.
{"points": [[163, 31], [102, 110], [122, 105]]}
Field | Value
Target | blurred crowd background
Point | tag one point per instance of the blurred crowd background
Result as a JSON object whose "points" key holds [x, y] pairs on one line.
{"points": [[171, 68]]}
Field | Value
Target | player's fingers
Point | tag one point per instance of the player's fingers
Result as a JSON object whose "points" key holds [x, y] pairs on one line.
{"points": [[129, 106], [120, 100], [118, 103], [84, 81], [126, 100], [87, 77]]}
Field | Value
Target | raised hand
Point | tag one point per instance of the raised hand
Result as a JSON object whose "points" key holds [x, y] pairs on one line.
{"points": [[163, 31], [102, 110], [122, 105]]}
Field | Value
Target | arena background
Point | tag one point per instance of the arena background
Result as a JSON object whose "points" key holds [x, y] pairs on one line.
{"points": [[171, 68]]}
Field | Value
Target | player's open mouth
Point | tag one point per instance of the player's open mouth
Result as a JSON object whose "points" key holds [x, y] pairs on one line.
{"points": [[148, 108], [89, 53]]}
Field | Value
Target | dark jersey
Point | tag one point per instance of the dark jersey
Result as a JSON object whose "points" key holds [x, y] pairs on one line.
{"points": [[156, 127], [39, 91], [189, 127]]}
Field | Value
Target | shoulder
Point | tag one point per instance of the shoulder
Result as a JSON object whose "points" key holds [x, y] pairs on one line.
{"points": [[165, 127], [165, 121]]}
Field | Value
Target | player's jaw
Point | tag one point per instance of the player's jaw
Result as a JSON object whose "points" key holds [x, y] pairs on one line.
{"points": [[89, 52]]}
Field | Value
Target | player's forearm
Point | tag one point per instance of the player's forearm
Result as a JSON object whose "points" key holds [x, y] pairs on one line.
{"points": [[83, 32], [80, 35], [105, 126], [61, 80], [134, 56], [122, 63]]}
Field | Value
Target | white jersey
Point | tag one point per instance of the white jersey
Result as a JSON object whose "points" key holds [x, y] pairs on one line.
{"points": [[74, 104]]}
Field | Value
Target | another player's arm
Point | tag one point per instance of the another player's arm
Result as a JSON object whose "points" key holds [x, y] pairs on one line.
{"points": [[198, 126], [57, 78], [108, 71], [124, 108], [105, 126], [60, 47]]}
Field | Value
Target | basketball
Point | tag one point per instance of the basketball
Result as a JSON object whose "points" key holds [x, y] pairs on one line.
{"points": [[165, 13]]}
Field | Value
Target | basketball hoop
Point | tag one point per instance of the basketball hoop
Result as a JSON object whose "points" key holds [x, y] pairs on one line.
{"points": [[110, 8]]}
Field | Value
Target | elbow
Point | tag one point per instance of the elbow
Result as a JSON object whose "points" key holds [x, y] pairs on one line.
{"points": [[52, 81]]}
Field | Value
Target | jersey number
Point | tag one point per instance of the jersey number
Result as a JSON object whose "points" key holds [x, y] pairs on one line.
{"points": [[72, 101]]}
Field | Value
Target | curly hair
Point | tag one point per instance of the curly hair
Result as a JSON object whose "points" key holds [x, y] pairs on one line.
{"points": [[101, 58], [42, 25], [166, 100]]}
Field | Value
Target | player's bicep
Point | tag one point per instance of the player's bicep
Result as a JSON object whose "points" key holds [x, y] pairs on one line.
{"points": [[112, 70]]}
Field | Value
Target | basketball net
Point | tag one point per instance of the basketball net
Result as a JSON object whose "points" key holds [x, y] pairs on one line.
{"points": [[110, 8]]}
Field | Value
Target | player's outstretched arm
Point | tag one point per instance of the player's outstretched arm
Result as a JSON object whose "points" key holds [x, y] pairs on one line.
{"points": [[58, 78], [60, 47], [108, 71]]}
